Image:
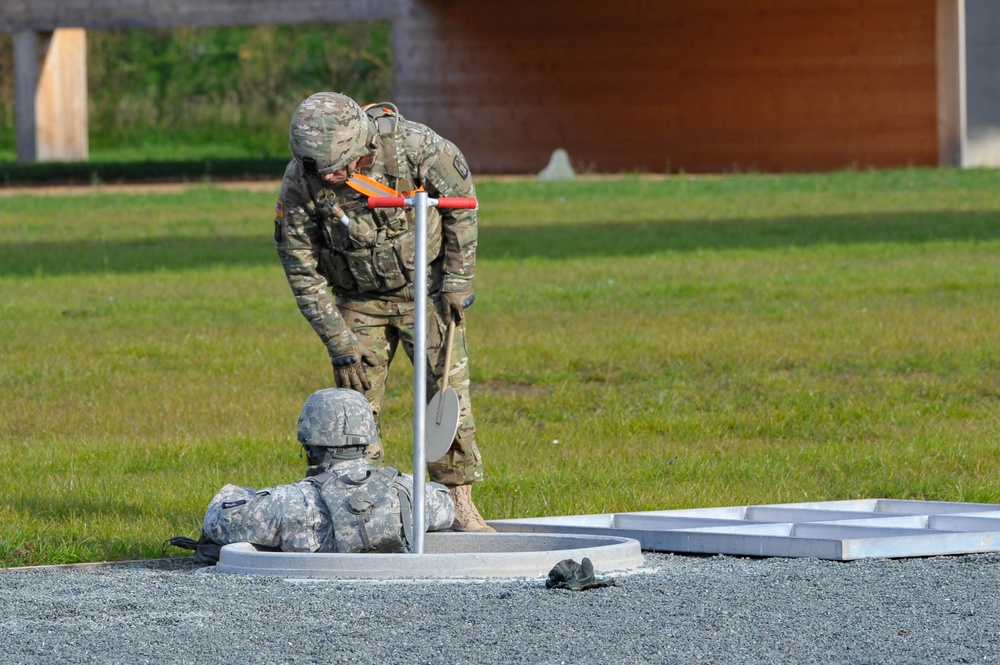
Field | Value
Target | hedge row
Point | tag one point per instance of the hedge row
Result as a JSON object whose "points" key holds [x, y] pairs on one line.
{"points": [[149, 171]]}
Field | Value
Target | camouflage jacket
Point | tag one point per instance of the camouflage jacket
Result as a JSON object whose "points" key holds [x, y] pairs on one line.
{"points": [[300, 518], [292, 518], [371, 261]]}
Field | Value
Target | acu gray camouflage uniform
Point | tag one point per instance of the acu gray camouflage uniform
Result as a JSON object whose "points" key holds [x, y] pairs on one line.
{"points": [[318, 515], [345, 505], [369, 267]]}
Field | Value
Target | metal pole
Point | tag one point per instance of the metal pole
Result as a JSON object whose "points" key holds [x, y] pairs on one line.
{"points": [[420, 201], [419, 371]]}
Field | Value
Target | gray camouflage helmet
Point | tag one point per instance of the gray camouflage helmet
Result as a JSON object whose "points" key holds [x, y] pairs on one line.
{"points": [[337, 418], [328, 131]]}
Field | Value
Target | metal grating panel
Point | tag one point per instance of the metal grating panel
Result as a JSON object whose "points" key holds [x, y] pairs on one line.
{"points": [[837, 530]]}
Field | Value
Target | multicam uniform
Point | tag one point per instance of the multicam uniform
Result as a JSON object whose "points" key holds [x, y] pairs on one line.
{"points": [[369, 266]]}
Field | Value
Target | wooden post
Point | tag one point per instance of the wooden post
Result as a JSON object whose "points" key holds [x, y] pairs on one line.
{"points": [[61, 98], [50, 95], [951, 83]]}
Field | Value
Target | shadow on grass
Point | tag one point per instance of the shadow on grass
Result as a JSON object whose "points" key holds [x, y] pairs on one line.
{"points": [[644, 238], [564, 241], [134, 256]]}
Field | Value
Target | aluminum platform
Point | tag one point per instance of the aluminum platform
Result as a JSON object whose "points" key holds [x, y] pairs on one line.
{"points": [[835, 530]]}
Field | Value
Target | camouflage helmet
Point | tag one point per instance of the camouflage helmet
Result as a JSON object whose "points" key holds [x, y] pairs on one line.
{"points": [[336, 418], [328, 131]]}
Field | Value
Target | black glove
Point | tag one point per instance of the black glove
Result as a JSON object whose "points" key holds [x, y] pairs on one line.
{"points": [[349, 370], [568, 574], [457, 302], [206, 550]]}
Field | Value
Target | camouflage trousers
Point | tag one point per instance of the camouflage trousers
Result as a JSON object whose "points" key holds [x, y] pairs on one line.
{"points": [[379, 334]]}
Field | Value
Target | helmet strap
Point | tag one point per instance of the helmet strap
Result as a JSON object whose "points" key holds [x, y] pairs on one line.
{"points": [[350, 167]]}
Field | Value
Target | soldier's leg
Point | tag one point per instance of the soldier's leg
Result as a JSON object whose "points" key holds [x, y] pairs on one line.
{"points": [[462, 464], [378, 341]]}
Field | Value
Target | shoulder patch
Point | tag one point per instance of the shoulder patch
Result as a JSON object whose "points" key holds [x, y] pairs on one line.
{"points": [[461, 167], [279, 208]]}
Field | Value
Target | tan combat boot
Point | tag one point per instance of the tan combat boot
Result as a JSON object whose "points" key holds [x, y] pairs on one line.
{"points": [[467, 517]]}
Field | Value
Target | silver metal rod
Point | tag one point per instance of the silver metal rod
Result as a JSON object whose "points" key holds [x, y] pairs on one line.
{"points": [[419, 371]]}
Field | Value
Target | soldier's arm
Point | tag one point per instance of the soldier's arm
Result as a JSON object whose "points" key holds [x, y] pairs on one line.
{"points": [[440, 509], [442, 169], [297, 240]]}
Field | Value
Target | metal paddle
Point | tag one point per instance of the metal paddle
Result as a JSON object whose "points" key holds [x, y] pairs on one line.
{"points": [[442, 411]]}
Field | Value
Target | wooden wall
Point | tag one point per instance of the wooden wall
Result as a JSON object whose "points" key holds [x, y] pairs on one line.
{"points": [[694, 85], [653, 85]]}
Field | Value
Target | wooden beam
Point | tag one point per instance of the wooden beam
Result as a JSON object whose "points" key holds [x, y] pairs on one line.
{"points": [[951, 83], [47, 15], [61, 97], [50, 95]]}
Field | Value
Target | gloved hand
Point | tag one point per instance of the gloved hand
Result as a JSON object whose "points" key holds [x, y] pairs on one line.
{"points": [[458, 302], [349, 370]]}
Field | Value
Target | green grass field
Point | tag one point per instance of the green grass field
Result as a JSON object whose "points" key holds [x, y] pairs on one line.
{"points": [[637, 344]]}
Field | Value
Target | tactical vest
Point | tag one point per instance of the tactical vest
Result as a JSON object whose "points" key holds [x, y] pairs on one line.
{"points": [[376, 252], [369, 513]]}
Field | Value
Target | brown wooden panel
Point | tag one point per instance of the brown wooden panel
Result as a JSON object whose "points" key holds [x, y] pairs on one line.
{"points": [[699, 85]]}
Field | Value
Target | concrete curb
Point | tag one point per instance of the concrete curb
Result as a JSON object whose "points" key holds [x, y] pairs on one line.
{"points": [[446, 556]]}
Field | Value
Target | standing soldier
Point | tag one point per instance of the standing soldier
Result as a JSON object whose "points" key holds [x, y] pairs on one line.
{"points": [[328, 238]]}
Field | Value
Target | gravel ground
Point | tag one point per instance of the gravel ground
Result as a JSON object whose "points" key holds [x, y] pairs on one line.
{"points": [[685, 610]]}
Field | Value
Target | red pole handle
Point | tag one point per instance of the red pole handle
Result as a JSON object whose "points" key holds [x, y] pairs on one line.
{"points": [[386, 202], [457, 202], [400, 202]]}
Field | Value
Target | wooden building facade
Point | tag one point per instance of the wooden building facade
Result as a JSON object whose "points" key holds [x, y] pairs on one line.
{"points": [[639, 85], [701, 86]]}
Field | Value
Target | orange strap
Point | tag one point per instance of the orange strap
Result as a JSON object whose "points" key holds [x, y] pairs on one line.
{"points": [[371, 187]]}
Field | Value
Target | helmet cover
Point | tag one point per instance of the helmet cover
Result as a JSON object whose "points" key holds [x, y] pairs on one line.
{"points": [[328, 131], [337, 418]]}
